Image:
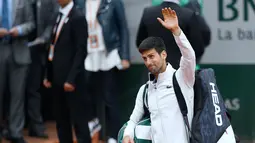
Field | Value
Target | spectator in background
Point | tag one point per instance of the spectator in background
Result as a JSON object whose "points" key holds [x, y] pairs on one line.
{"points": [[16, 22], [65, 73], [188, 22], [195, 6], [43, 9], [108, 52]]}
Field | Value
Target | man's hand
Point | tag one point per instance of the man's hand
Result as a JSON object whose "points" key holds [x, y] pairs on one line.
{"points": [[3, 32], [125, 64], [170, 21], [14, 32], [127, 139], [46, 83], [68, 87]]}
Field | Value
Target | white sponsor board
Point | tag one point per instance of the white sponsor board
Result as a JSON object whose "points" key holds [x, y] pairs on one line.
{"points": [[232, 23]]}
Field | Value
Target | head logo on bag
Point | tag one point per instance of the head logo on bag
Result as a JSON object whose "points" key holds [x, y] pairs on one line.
{"points": [[218, 117]]}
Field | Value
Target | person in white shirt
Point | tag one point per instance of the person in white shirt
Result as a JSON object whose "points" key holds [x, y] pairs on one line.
{"points": [[108, 53], [167, 125]]}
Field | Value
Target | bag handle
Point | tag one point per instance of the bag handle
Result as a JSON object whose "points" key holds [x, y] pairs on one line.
{"points": [[181, 102], [145, 102]]}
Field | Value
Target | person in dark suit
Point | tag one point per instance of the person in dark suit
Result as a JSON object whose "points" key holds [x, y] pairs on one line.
{"points": [[16, 22], [195, 6], [188, 22], [43, 10], [65, 73]]}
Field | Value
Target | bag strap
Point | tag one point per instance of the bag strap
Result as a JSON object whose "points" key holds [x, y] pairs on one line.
{"points": [[145, 101], [181, 102]]}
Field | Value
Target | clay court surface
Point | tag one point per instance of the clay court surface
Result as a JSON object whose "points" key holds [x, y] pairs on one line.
{"points": [[51, 131]]}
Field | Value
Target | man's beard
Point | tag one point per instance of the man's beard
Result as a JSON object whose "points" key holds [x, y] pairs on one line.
{"points": [[155, 70]]}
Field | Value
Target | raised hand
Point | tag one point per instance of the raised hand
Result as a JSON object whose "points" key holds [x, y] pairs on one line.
{"points": [[170, 21]]}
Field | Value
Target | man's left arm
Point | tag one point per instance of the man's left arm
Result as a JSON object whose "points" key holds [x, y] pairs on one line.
{"points": [[123, 29], [188, 59], [80, 35], [29, 23]]}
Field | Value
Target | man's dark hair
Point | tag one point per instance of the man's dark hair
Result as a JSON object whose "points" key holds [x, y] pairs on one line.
{"points": [[152, 43]]}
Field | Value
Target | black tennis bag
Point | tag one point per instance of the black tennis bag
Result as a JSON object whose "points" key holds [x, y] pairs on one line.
{"points": [[210, 120]]}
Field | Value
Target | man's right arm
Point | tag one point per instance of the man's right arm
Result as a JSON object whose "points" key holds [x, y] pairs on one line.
{"points": [[136, 115]]}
